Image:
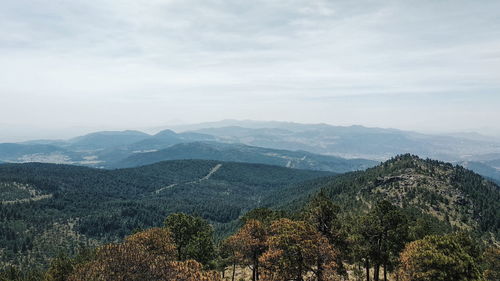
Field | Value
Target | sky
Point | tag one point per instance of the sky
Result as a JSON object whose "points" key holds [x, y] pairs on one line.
{"points": [[68, 66]]}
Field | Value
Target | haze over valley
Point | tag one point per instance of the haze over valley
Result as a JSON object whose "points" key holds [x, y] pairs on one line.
{"points": [[294, 145]]}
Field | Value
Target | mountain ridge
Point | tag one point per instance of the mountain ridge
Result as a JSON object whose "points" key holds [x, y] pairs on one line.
{"points": [[248, 154], [378, 144], [450, 193]]}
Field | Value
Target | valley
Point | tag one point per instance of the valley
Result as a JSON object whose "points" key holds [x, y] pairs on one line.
{"points": [[303, 146], [104, 205]]}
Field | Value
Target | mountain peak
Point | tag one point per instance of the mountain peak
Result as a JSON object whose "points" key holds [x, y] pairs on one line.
{"points": [[166, 133], [420, 165], [451, 194]]}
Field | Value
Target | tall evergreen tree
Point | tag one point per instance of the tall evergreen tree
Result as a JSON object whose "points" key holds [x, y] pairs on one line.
{"points": [[323, 214], [383, 231], [193, 237], [439, 258]]}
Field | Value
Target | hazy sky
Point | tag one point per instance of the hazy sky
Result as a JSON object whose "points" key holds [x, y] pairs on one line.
{"points": [[115, 64]]}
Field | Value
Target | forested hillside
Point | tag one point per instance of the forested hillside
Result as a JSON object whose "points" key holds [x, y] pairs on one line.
{"points": [[314, 243], [50, 208], [248, 154], [46, 207], [452, 195]]}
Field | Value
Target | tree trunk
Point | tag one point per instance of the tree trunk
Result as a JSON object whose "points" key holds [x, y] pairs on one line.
{"points": [[257, 270], [376, 271], [367, 266], [179, 255], [385, 271], [360, 269], [319, 275], [234, 271], [299, 272]]}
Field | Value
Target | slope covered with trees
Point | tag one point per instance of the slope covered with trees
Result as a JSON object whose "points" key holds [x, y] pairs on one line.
{"points": [[321, 226], [46, 207], [452, 195], [311, 244], [248, 154]]}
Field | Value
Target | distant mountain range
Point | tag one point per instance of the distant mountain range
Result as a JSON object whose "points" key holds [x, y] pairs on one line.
{"points": [[95, 149], [325, 147], [134, 148], [350, 141], [99, 141], [488, 171], [360, 142]]}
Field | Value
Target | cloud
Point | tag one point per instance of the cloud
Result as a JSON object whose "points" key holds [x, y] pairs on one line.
{"points": [[245, 59]]}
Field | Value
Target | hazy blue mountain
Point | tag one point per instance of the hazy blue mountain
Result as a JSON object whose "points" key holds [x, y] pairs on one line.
{"points": [[13, 152], [46, 142], [475, 136], [167, 138], [94, 149], [103, 149], [482, 169], [350, 141], [107, 139], [485, 157], [15, 149], [250, 124], [163, 139], [494, 163], [249, 154]]}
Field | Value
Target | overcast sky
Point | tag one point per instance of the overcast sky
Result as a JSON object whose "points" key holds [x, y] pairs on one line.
{"points": [[117, 64]]}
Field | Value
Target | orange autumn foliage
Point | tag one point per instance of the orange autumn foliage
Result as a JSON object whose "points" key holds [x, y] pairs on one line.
{"points": [[148, 255], [156, 241], [248, 244], [298, 252]]}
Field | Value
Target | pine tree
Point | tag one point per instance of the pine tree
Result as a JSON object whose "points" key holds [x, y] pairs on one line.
{"points": [[192, 236], [438, 258]]}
